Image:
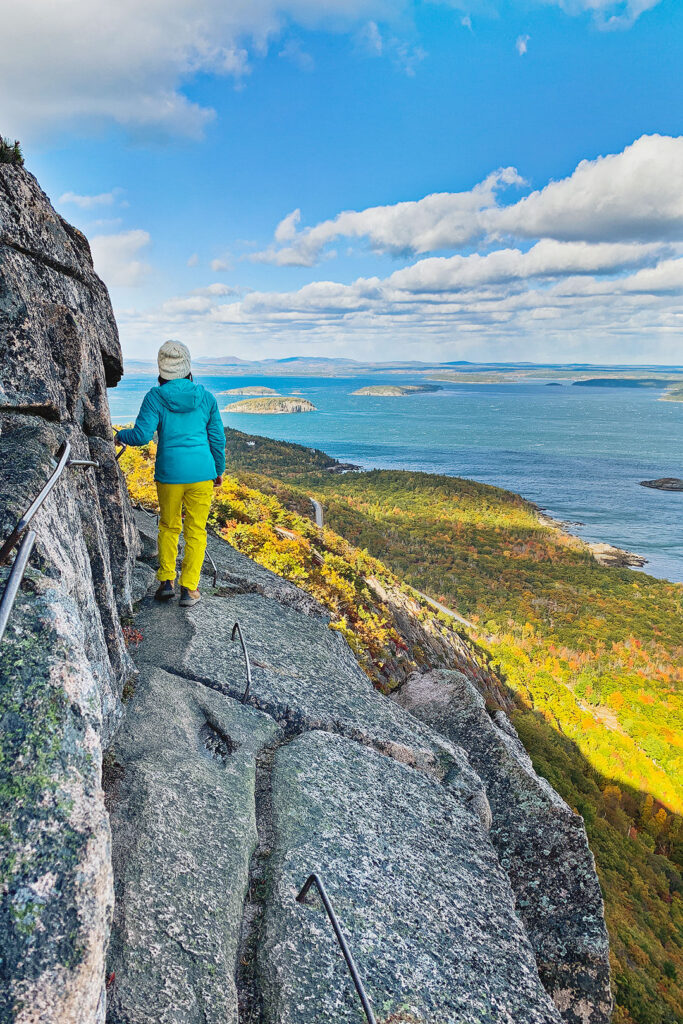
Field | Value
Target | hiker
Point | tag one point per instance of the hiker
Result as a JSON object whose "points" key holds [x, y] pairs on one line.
{"points": [[190, 463]]}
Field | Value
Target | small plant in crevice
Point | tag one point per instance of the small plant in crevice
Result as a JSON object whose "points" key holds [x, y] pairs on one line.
{"points": [[132, 636], [128, 689]]}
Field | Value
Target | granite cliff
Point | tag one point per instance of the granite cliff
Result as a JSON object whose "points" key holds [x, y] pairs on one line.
{"points": [[63, 660], [464, 883]]}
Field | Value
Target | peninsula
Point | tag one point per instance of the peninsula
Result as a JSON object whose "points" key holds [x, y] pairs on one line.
{"points": [[272, 405]]}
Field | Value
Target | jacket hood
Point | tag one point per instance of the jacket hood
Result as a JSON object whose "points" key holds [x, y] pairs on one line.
{"points": [[180, 395]]}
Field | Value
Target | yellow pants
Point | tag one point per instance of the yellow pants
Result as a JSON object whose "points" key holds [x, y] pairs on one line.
{"points": [[196, 498]]}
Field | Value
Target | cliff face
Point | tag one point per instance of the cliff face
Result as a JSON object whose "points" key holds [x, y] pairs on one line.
{"points": [[63, 661], [463, 882]]}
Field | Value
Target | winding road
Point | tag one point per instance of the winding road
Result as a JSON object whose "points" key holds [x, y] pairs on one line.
{"points": [[318, 509]]}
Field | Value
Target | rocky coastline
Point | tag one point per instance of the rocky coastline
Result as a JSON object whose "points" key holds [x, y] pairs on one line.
{"points": [[603, 553], [664, 483]]}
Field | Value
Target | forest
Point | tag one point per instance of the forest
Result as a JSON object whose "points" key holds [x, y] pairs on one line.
{"points": [[592, 656]]}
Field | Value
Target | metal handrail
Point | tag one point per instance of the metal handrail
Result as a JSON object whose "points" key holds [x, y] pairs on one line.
{"points": [[213, 567], [64, 462], [28, 515], [238, 629], [121, 449], [15, 578], [315, 879], [27, 542]]}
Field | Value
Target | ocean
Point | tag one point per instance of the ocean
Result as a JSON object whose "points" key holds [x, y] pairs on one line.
{"points": [[578, 452]]}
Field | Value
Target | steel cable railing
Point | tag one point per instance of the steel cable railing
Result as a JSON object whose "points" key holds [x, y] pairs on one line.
{"points": [[238, 629], [26, 540], [315, 879]]}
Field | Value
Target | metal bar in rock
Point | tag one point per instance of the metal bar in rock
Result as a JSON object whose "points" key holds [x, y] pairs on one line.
{"points": [[28, 515], [315, 879], [238, 629], [15, 577]]}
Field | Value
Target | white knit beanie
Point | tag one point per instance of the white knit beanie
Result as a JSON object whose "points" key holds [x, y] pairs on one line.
{"points": [[174, 360]]}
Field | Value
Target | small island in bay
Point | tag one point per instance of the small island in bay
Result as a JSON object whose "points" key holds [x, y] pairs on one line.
{"points": [[251, 389], [664, 483], [394, 390], [279, 404]]}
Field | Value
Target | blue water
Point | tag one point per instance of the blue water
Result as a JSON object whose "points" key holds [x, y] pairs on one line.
{"points": [[578, 452]]}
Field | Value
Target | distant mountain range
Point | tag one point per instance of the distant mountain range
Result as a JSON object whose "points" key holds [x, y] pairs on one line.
{"points": [[461, 369]]}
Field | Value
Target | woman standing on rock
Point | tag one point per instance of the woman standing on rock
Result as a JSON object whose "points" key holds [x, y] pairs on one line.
{"points": [[190, 462]]}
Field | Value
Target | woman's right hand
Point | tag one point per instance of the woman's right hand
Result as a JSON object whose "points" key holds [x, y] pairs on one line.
{"points": [[218, 481]]}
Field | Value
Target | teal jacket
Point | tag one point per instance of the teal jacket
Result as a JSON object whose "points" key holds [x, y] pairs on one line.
{"points": [[191, 436]]}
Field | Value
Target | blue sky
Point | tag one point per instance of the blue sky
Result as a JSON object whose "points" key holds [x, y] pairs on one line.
{"points": [[176, 137]]}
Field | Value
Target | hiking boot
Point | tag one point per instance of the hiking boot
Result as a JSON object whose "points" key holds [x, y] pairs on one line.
{"points": [[165, 591], [189, 597]]}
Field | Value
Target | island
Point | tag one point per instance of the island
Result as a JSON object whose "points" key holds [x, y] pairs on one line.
{"points": [[270, 405], [664, 483], [394, 390], [252, 389]]}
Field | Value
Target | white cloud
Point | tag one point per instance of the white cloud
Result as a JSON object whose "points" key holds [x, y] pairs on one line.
{"points": [[286, 229], [370, 39], [294, 52], [219, 265], [608, 13], [407, 58], [116, 257], [547, 258], [89, 202], [522, 44], [188, 306], [83, 62], [557, 300], [666, 277], [193, 260], [588, 266], [438, 221], [218, 288], [88, 61], [634, 196]]}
